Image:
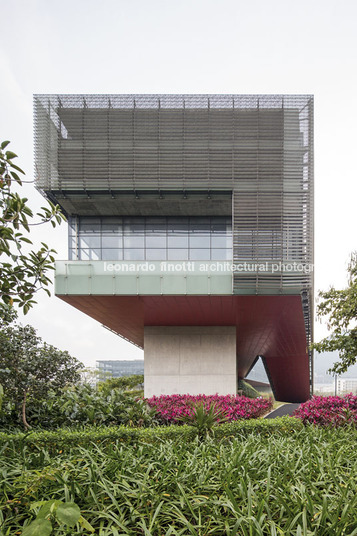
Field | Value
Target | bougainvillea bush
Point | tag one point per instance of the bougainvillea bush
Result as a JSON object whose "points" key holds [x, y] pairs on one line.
{"points": [[172, 408], [329, 410]]}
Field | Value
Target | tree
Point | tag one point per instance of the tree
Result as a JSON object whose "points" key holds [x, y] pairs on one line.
{"points": [[126, 383], [30, 368], [340, 308], [22, 273]]}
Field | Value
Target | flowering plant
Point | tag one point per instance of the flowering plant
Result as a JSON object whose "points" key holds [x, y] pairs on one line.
{"points": [[329, 410], [174, 409]]}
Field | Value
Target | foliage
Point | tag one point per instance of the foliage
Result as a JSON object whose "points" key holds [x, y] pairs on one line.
{"points": [[331, 411], [55, 511], [204, 418], [83, 404], [340, 309], [124, 382], [7, 312], [31, 368], [172, 408], [247, 389], [67, 440], [300, 483], [22, 273]]}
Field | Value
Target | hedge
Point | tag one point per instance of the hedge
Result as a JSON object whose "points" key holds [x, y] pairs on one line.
{"points": [[66, 439]]}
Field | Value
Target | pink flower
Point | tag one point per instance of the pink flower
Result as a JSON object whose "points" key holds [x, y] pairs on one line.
{"points": [[329, 410], [171, 407]]}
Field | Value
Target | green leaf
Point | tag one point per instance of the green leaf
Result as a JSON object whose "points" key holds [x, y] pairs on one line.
{"points": [[47, 508], [4, 144], [17, 168], [85, 524], [10, 155], [39, 527], [68, 513], [16, 177]]}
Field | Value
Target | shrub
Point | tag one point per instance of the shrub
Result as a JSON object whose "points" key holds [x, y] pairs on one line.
{"points": [[263, 482], [64, 440], [83, 405], [124, 382], [204, 418], [172, 408], [329, 410]]}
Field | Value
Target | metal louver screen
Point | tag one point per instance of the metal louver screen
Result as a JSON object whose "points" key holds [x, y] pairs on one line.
{"points": [[258, 147]]}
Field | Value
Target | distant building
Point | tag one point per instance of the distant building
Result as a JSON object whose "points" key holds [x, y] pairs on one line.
{"points": [[324, 388], [346, 385], [118, 368]]}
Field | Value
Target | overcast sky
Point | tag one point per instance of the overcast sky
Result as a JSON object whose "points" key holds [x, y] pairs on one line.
{"points": [[187, 46]]}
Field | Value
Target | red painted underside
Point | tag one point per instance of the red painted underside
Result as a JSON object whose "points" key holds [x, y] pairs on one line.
{"points": [[270, 326]]}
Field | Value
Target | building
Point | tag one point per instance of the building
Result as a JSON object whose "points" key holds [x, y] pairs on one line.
{"points": [[190, 230], [117, 368], [346, 385]]}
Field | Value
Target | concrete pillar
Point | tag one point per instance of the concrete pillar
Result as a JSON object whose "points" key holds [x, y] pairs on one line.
{"points": [[190, 360]]}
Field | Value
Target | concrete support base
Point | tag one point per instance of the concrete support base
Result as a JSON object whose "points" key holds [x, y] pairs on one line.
{"points": [[190, 360]]}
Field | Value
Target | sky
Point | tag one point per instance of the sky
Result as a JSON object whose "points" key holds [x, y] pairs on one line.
{"points": [[186, 46]]}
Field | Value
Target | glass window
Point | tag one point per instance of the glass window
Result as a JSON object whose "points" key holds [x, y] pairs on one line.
{"points": [[219, 227], [177, 241], [156, 241], [134, 241], [112, 242], [221, 241], [89, 225], [112, 225], [134, 225], [174, 238], [95, 254], [73, 255], [177, 254], [89, 242], [84, 255], [134, 254], [156, 225], [200, 226], [221, 254], [112, 254], [177, 226], [199, 254], [200, 241], [156, 254], [90, 254]]}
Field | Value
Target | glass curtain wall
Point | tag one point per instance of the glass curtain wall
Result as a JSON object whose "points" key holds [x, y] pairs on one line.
{"points": [[150, 238]]}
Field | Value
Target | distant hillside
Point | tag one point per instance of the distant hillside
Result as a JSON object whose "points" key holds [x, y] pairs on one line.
{"points": [[322, 362]]}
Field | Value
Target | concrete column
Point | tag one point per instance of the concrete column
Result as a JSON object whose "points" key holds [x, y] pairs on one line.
{"points": [[190, 360]]}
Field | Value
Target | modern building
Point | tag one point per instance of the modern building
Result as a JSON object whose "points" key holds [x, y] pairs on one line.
{"points": [[115, 368], [190, 230], [346, 385]]}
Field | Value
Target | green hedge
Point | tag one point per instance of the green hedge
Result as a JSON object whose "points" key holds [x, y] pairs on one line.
{"points": [[66, 439]]}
